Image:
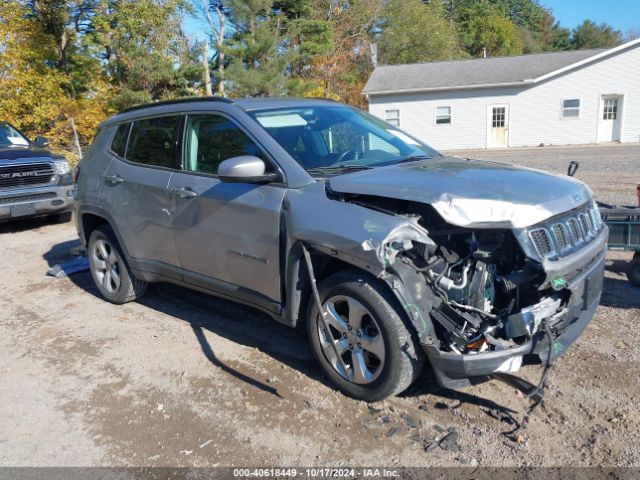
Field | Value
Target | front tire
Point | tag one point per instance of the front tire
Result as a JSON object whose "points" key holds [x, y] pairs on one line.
{"points": [[380, 355], [109, 269]]}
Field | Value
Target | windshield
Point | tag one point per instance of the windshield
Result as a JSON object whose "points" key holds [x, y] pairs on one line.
{"points": [[330, 139], [10, 136]]}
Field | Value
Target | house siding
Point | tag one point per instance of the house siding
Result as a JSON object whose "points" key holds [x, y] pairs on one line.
{"points": [[535, 112]]}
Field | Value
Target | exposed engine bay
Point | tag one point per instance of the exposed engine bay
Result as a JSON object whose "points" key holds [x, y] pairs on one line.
{"points": [[486, 292]]}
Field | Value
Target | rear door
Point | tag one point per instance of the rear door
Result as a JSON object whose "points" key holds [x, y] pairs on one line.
{"points": [[227, 234], [145, 153]]}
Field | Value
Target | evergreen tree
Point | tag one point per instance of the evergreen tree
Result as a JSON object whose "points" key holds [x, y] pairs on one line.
{"points": [[415, 31], [590, 35]]}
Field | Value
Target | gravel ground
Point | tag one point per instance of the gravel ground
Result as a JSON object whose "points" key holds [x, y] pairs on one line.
{"points": [[185, 379]]}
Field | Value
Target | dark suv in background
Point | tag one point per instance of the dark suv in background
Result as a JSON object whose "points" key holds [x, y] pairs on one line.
{"points": [[33, 182], [328, 218]]}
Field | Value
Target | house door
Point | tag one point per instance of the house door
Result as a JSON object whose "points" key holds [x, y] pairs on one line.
{"points": [[498, 135], [609, 120]]}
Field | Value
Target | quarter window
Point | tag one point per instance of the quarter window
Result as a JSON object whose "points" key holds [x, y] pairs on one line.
{"points": [[119, 142], [571, 108], [443, 115], [610, 109], [392, 117], [211, 139], [153, 141]]}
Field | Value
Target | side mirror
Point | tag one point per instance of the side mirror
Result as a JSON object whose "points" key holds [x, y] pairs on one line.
{"points": [[245, 169], [40, 142]]}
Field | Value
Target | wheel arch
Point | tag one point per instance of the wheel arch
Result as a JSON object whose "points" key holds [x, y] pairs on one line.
{"points": [[403, 285], [90, 218]]}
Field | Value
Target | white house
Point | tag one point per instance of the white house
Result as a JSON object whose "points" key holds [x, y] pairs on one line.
{"points": [[575, 97]]}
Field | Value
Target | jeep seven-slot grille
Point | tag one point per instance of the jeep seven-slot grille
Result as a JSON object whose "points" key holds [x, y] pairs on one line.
{"points": [[564, 235], [26, 174]]}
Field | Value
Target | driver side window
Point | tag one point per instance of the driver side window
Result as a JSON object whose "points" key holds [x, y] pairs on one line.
{"points": [[211, 139]]}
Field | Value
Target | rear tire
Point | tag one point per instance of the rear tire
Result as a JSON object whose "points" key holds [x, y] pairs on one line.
{"points": [[109, 269], [381, 354], [633, 271]]}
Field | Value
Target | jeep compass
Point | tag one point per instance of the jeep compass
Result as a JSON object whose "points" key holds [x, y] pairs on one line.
{"points": [[385, 251]]}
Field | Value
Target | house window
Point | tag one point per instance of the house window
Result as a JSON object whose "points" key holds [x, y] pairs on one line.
{"points": [[392, 117], [443, 115], [610, 109], [571, 108], [499, 117]]}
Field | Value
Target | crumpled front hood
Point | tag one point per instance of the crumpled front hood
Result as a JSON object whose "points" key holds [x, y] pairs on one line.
{"points": [[471, 193]]}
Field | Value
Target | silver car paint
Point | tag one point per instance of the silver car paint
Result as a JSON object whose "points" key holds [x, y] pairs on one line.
{"points": [[353, 233], [229, 231], [141, 209], [245, 166], [472, 193]]}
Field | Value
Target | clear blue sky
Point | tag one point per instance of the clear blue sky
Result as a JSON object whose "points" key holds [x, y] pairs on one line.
{"points": [[621, 14]]}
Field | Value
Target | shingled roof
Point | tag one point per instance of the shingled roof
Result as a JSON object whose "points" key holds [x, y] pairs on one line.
{"points": [[478, 73]]}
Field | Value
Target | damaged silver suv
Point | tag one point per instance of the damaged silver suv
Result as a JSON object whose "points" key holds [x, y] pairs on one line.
{"points": [[327, 218]]}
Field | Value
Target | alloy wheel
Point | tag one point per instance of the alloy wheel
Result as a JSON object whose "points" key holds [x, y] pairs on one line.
{"points": [[357, 337], [106, 266]]}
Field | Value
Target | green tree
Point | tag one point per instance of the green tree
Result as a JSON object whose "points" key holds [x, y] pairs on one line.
{"points": [[258, 55], [484, 26], [415, 31], [561, 37], [144, 51], [591, 35]]}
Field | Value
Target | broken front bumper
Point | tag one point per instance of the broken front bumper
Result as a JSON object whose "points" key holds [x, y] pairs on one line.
{"points": [[456, 370]]}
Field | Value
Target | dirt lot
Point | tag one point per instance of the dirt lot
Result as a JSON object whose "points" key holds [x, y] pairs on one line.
{"points": [[184, 379]]}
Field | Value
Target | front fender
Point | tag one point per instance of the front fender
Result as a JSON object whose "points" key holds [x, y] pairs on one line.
{"points": [[358, 236]]}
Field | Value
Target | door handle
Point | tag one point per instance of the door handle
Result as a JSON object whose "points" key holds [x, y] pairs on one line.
{"points": [[114, 179], [184, 192]]}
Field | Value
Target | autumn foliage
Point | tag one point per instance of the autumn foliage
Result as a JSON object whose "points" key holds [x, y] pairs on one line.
{"points": [[66, 63]]}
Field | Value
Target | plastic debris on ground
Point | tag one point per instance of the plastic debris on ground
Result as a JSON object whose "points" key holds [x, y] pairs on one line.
{"points": [[64, 269]]}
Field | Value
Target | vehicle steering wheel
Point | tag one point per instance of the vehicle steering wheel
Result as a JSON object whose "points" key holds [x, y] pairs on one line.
{"points": [[345, 155]]}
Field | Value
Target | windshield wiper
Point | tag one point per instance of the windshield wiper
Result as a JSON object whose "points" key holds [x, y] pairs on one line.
{"points": [[413, 158], [335, 169]]}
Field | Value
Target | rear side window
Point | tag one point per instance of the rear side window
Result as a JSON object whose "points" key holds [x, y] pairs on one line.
{"points": [[211, 139], [153, 141], [119, 142]]}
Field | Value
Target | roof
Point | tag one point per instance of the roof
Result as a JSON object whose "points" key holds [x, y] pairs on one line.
{"points": [[520, 70], [175, 101], [186, 104], [263, 103]]}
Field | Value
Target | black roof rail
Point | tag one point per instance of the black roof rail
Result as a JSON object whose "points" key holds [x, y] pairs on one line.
{"points": [[176, 101]]}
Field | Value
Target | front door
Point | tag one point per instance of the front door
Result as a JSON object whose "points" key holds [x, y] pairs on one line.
{"points": [[609, 119], [498, 121], [227, 234]]}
